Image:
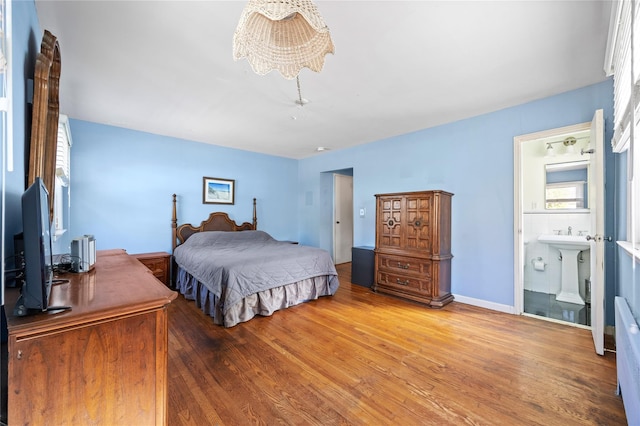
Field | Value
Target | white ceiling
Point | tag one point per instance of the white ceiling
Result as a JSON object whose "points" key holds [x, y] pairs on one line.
{"points": [[166, 67]]}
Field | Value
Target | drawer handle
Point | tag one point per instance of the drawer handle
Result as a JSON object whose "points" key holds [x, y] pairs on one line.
{"points": [[405, 282], [401, 266]]}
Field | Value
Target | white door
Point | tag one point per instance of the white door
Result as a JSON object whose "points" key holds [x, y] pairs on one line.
{"points": [[596, 202], [596, 207], [342, 218]]}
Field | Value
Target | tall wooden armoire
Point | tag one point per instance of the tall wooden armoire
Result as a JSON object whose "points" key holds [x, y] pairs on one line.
{"points": [[413, 246]]}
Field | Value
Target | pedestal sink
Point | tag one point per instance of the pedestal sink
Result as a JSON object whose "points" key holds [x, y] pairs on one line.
{"points": [[570, 246]]}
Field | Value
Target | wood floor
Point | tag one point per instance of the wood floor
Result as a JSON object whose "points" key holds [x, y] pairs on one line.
{"points": [[364, 358]]}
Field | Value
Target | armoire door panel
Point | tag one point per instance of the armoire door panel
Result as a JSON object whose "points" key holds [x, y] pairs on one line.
{"points": [[390, 223]]}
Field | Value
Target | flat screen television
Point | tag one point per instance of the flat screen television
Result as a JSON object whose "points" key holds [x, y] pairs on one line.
{"points": [[38, 258]]}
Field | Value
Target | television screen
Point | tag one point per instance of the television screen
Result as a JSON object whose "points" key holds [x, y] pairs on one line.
{"points": [[38, 260]]}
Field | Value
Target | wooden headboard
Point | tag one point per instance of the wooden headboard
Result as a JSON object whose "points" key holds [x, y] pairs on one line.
{"points": [[217, 221]]}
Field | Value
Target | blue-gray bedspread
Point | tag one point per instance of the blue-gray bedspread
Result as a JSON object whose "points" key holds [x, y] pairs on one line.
{"points": [[233, 265]]}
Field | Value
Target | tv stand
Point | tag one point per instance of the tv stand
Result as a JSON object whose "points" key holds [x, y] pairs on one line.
{"points": [[104, 361], [20, 310]]}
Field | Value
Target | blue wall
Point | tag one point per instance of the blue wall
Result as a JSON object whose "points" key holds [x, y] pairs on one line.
{"points": [[122, 181], [472, 158]]}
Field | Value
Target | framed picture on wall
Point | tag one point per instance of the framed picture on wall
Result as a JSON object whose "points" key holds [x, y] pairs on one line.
{"points": [[218, 191]]}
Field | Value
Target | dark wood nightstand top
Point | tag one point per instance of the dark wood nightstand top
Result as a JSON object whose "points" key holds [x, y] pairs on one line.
{"points": [[153, 255]]}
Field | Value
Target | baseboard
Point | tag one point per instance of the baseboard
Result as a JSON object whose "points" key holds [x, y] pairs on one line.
{"points": [[484, 304]]}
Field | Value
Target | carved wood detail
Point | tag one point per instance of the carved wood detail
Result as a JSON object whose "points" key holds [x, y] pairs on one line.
{"points": [[217, 221], [46, 110], [413, 246]]}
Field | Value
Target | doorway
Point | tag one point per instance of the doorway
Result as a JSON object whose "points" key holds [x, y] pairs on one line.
{"points": [[559, 218], [342, 218]]}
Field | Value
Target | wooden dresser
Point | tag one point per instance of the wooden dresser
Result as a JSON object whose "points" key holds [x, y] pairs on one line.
{"points": [[158, 263], [104, 361], [413, 246]]}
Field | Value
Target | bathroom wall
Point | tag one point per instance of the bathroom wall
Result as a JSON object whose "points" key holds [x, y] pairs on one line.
{"points": [[537, 223], [537, 220], [533, 169]]}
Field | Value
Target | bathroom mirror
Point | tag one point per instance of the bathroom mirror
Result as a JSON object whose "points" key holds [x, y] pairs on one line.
{"points": [[566, 185]]}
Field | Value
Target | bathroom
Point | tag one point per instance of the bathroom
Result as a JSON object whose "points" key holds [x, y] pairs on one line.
{"points": [[555, 202]]}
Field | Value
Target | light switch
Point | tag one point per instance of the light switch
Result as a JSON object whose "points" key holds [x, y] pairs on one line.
{"points": [[362, 212]]}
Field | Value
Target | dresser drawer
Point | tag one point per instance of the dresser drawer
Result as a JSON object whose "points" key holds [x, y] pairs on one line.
{"points": [[158, 263], [405, 265], [404, 283], [157, 266]]}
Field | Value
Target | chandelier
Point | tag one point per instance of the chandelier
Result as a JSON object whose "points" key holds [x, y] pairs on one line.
{"points": [[283, 35]]}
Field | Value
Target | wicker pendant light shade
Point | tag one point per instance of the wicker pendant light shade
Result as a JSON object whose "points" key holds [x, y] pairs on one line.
{"points": [[285, 35]]}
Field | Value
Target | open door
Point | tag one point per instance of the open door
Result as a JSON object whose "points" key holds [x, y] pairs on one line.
{"points": [[596, 202], [343, 218]]}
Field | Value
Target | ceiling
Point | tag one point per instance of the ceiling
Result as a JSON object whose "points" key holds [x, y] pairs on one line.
{"points": [[166, 67]]}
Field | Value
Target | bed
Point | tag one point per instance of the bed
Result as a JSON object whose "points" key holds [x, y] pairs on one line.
{"points": [[235, 272]]}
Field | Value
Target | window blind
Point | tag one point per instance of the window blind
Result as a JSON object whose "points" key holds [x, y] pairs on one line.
{"points": [[63, 151], [620, 66]]}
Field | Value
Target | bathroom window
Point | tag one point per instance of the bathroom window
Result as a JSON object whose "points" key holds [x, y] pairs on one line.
{"points": [[566, 185], [565, 195]]}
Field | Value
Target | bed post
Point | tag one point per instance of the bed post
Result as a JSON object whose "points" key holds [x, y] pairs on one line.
{"points": [[174, 225], [255, 217]]}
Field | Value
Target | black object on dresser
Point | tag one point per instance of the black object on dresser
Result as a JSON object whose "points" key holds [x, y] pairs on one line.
{"points": [[362, 265]]}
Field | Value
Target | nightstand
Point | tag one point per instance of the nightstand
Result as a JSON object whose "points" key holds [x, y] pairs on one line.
{"points": [[362, 265], [159, 263]]}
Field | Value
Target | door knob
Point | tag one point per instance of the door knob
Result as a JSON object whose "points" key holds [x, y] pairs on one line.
{"points": [[597, 238]]}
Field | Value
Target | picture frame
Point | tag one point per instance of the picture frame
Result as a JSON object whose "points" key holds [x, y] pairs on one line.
{"points": [[218, 191]]}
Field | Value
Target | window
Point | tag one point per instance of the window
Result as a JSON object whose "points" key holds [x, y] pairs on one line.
{"points": [[634, 200], [6, 123], [619, 64], [62, 179], [566, 185], [565, 195], [623, 62]]}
